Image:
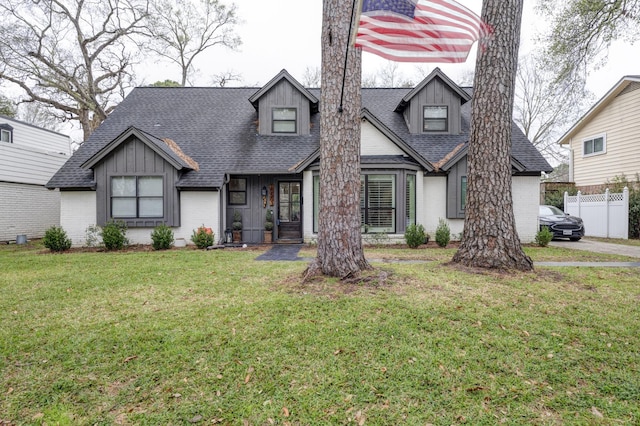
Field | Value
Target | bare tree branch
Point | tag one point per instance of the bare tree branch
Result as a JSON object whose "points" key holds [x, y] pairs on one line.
{"points": [[183, 29], [72, 55]]}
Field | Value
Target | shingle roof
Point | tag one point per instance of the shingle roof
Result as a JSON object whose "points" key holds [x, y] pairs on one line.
{"points": [[217, 128]]}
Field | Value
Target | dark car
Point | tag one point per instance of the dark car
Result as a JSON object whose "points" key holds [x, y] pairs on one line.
{"points": [[560, 223]]}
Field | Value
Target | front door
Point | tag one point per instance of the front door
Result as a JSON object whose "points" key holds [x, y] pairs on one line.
{"points": [[289, 211]]}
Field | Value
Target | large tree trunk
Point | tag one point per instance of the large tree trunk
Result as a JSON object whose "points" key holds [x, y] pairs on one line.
{"points": [[490, 239], [340, 251]]}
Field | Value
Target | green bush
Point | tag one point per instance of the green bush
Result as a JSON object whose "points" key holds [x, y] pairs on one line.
{"points": [[91, 235], [415, 235], [55, 239], [268, 223], [544, 236], [114, 235], [443, 233], [237, 221], [555, 197], [203, 237], [162, 237]]}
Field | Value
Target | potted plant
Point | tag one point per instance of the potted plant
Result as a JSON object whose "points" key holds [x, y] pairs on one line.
{"points": [[237, 227], [268, 227]]}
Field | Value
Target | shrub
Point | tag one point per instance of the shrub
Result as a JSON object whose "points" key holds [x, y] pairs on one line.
{"points": [[114, 235], [91, 235], [55, 239], [268, 223], [415, 235], [443, 233], [556, 197], [544, 236], [162, 237], [203, 237], [237, 221]]}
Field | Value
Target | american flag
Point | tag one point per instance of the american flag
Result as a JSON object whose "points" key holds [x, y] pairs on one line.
{"points": [[417, 30]]}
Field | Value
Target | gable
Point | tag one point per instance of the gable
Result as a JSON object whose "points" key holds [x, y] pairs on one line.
{"points": [[435, 92], [374, 142], [283, 94]]}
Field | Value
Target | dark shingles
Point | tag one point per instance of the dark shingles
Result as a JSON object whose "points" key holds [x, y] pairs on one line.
{"points": [[217, 128]]}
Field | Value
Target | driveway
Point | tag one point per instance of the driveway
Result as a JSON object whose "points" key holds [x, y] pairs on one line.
{"points": [[598, 247]]}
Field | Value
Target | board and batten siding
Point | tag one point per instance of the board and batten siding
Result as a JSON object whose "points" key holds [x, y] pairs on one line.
{"points": [[135, 158], [618, 121], [435, 93], [284, 95]]}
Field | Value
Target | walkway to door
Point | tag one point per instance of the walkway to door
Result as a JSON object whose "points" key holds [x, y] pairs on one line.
{"points": [[281, 252]]}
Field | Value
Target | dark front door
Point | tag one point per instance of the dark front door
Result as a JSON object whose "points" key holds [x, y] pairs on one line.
{"points": [[289, 211]]}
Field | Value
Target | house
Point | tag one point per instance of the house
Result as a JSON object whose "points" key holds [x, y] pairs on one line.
{"points": [[29, 156], [189, 157], [603, 143]]}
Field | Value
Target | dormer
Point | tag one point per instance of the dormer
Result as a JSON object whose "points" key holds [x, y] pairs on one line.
{"points": [[434, 106], [284, 107]]}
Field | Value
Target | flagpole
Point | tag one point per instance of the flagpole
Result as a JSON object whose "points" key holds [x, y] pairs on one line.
{"points": [[346, 56]]}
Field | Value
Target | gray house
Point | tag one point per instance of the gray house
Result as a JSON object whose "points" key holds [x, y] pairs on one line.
{"points": [[189, 157], [29, 156]]}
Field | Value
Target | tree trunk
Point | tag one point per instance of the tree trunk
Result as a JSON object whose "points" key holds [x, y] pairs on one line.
{"points": [[340, 251], [490, 239]]}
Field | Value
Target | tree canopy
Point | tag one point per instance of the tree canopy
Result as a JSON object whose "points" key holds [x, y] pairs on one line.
{"points": [[582, 30], [181, 30], [77, 57]]}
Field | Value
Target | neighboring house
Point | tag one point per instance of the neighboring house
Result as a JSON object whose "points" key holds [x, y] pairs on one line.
{"points": [[188, 157], [605, 142], [29, 156]]}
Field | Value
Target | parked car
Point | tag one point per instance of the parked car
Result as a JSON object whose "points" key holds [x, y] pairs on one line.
{"points": [[560, 223]]}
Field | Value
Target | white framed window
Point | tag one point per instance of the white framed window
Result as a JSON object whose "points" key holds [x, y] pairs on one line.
{"points": [[378, 203], [137, 197], [284, 120], [595, 145], [435, 118], [6, 134]]}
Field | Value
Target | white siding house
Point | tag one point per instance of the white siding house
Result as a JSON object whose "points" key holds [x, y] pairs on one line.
{"points": [[29, 156], [604, 143]]}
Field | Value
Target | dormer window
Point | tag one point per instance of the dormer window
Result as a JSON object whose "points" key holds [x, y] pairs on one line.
{"points": [[6, 133], [284, 120], [435, 118]]}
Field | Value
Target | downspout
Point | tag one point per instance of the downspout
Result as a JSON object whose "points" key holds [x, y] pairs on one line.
{"points": [[223, 208], [571, 164]]}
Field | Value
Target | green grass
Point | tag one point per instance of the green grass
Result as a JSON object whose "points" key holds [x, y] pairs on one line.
{"points": [[206, 337]]}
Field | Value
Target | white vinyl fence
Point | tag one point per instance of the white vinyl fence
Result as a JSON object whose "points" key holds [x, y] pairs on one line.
{"points": [[604, 215]]}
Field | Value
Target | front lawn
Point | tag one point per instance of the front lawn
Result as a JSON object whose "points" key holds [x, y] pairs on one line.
{"points": [[215, 337]]}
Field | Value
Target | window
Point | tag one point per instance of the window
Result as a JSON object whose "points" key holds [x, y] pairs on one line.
{"points": [[378, 195], [435, 119], [137, 197], [237, 191], [378, 203], [6, 133], [410, 200], [594, 146], [463, 192], [284, 120]]}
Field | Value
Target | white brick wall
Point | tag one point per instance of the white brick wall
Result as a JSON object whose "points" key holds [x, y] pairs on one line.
{"points": [[525, 206], [78, 212], [525, 190], [197, 209], [27, 209]]}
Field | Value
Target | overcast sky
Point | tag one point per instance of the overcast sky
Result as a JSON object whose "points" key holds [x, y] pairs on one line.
{"points": [[285, 34]]}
